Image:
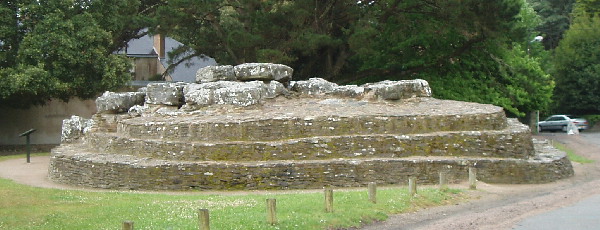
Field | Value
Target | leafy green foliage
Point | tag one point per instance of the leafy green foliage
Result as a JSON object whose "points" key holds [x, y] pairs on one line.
{"points": [[474, 60], [452, 43], [577, 67], [64, 49], [479, 43], [307, 35], [589, 7], [555, 16]]}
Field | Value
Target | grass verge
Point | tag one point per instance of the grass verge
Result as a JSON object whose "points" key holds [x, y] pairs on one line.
{"points": [[571, 154], [26, 207]]}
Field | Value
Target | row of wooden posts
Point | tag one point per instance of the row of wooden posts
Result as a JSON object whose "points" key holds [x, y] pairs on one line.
{"points": [[204, 219]]}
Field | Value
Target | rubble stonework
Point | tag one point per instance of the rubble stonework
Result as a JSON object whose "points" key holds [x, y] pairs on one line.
{"points": [[263, 72], [231, 93], [396, 90], [165, 93], [111, 102], [260, 130], [74, 128], [215, 73]]}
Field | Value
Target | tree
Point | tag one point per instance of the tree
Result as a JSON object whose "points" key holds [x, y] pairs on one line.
{"points": [[347, 41], [577, 67], [306, 34], [473, 50], [63, 48], [556, 18]]}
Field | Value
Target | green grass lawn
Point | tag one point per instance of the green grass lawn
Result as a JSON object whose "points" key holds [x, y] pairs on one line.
{"points": [[25, 207]]}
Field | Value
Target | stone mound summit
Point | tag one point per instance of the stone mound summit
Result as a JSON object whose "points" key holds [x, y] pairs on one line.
{"points": [[252, 127]]}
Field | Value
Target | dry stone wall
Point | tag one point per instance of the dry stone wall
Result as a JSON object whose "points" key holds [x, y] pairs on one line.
{"points": [[127, 172], [252, 127]]}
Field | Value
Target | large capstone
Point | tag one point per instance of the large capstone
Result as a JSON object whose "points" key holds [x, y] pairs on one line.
{"points": [[396, 90], [231, 93], [215, 73], [74, 128], [165, 94], [263, 72], [111, 102]]}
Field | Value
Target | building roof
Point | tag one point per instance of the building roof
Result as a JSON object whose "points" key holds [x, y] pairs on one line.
{"points": [[185, 72]]}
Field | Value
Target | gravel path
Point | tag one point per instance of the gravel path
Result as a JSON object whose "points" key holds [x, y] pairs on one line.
{"points": [[492, 207]]}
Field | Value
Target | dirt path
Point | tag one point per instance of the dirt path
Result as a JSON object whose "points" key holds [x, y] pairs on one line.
{"points": [[492, 207], [33, 174], [503, 206]]}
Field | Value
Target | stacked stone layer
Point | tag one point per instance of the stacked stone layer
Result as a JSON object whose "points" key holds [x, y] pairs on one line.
{"points": [[261, 135], [207, 150], [514, 142], [73, 166]]}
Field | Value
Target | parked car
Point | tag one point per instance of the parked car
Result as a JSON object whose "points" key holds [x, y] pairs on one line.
{"points": [[560, 122]]}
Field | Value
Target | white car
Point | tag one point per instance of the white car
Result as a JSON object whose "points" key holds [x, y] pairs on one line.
{"points": [[560, 122]]}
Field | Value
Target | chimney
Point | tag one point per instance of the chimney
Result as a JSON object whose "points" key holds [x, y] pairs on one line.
{"points": [[159, 45]]}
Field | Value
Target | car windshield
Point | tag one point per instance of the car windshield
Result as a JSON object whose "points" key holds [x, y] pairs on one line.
{"points": [[573, 117]]}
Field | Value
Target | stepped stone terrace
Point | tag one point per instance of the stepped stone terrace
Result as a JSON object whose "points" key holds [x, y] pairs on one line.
{"points": [[251, 127]]}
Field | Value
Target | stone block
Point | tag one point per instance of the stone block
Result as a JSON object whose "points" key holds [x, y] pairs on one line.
{"points": [[215, 73], [263, 72], [74, 128], [111, 102], [313, 86], [349, 91], [165, 93], [231, 93], [272, 90], [396, 90]]}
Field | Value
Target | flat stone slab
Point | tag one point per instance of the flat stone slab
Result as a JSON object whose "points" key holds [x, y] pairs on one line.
{"points": [[283, 118], [512, 142], [71, 165]]}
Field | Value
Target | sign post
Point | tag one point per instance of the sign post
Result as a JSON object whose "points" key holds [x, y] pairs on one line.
{"points": [[27, 134]]}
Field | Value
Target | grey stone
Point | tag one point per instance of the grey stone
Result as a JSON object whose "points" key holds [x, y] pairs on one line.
{"points": [[313, 86], [271, 90], [215, 73], [240, 95], [137, 110], [74, 128], [198, 94], [230, 93], [111, 102], [263, 72], [351, 91], [396, 90], [165, 93]]}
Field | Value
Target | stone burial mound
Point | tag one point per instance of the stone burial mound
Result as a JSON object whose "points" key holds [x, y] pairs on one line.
{"points": [[251, 127]]}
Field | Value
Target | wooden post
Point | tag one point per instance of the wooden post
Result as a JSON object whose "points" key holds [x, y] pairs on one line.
{"points": [[373, 192], [533, 121], [204, 219], [472, 178], [412, 185], [272, 211], [127, 225], [328, 199], [443, 181]]}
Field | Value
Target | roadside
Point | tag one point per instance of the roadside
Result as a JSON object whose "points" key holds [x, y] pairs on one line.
{"points": [[503, 206]]}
